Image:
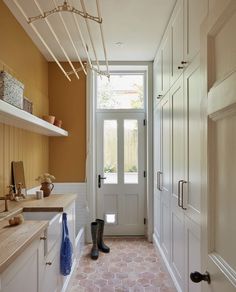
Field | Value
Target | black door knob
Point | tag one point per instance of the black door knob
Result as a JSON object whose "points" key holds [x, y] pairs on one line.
{"points": [[197, 277]]}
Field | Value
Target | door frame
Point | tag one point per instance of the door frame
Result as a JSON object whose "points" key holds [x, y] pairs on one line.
{"points": [[209, 28], [91, 178]]}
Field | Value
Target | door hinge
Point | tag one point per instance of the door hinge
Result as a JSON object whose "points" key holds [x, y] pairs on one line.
{"points": [[144, 173], [144, 122], [144, 221]]}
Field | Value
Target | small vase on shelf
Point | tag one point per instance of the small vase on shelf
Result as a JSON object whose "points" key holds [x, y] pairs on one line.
{"points": [[46, 183], [46, 187]]}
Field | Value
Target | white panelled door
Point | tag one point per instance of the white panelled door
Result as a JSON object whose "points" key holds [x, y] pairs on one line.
{"points": [[120, 172], [219, 198]]}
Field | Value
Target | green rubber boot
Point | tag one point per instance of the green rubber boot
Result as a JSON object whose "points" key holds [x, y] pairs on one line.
{"points": [[94, 233]]}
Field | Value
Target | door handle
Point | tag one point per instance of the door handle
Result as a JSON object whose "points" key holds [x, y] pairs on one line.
{"points": [[99, 180], [159, 173], [197, 277], [158, 180], [182, 194], [179, 203]]}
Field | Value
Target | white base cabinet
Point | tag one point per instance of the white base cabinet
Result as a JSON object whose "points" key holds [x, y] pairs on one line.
{"points": [[24, 272], [37, 269]]}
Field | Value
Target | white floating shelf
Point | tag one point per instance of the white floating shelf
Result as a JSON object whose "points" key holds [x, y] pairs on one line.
{"points": [[13, 116]]}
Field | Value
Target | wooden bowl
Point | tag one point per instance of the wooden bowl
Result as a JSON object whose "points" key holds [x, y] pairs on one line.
{"points": [[49, 119]]}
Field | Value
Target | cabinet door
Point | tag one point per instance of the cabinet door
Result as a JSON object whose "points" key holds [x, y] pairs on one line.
{"points": [[166, 46], [192, 253], [177, 42], [50, 271], [22, 274], [157, 167], [165, 175], [158, 76], [192, 88], [178, 174], [192, 195], [194, 14]]}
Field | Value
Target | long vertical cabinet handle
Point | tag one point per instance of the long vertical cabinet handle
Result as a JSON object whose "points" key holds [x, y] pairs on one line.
{"points": [[159, 173], [158, 180], [182, 194], [179, 202], [161, 181]]}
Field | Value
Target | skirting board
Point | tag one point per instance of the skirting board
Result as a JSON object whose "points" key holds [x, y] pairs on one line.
{"points": [[157, 246]]}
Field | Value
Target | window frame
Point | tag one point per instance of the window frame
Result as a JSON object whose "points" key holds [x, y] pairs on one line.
{"points": [[124, 72]]}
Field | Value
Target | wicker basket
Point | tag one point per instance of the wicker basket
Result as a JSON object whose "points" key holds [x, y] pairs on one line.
{"points": [[11, 90]]}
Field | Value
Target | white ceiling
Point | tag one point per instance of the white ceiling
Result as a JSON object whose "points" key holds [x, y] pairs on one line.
{"points": [[137, 24]]}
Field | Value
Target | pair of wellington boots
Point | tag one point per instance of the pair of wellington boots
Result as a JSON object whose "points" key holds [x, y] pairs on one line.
{"points": [[97, 229]]}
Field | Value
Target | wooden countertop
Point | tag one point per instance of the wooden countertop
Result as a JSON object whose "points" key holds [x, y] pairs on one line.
{"points": [[53, 203], [15, 239]]}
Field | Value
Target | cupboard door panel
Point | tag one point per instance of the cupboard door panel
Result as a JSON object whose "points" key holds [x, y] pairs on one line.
{"points": [[165, 178], [193, 98], [177, 43], [166, 61], [177, 249], [224, 44], [178, 174], [25, 278], [158, 77], [194, 14], [192, 253], [23, 273], [157, 167]]}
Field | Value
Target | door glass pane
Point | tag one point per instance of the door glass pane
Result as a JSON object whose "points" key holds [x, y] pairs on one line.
{"points": [[121, 91], [130, 151], [110, 151]]}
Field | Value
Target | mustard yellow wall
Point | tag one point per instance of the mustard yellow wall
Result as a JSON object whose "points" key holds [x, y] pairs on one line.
{"points": [[68, 103], [20, 57]]}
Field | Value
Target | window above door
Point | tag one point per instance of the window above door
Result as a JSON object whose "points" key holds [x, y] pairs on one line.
{"points": [[123, 91]]}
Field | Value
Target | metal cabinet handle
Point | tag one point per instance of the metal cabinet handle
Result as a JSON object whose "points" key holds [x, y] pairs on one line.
{"points": [[179, 203], [184, 62], [180, 67], [43, 238], [182, 194], [48, 263], [161, 181], [158, 180], [159, 187], [159, 96]]}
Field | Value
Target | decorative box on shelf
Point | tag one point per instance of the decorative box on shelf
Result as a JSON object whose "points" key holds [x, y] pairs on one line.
{"points": [[27, 105], [11, 90]]}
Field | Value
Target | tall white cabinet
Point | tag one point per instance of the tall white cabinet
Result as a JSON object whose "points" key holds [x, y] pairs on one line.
{"points": [[177, 143]]}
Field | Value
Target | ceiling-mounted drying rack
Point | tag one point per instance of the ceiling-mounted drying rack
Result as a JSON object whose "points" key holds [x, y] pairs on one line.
{"points": [[59, 9]]}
